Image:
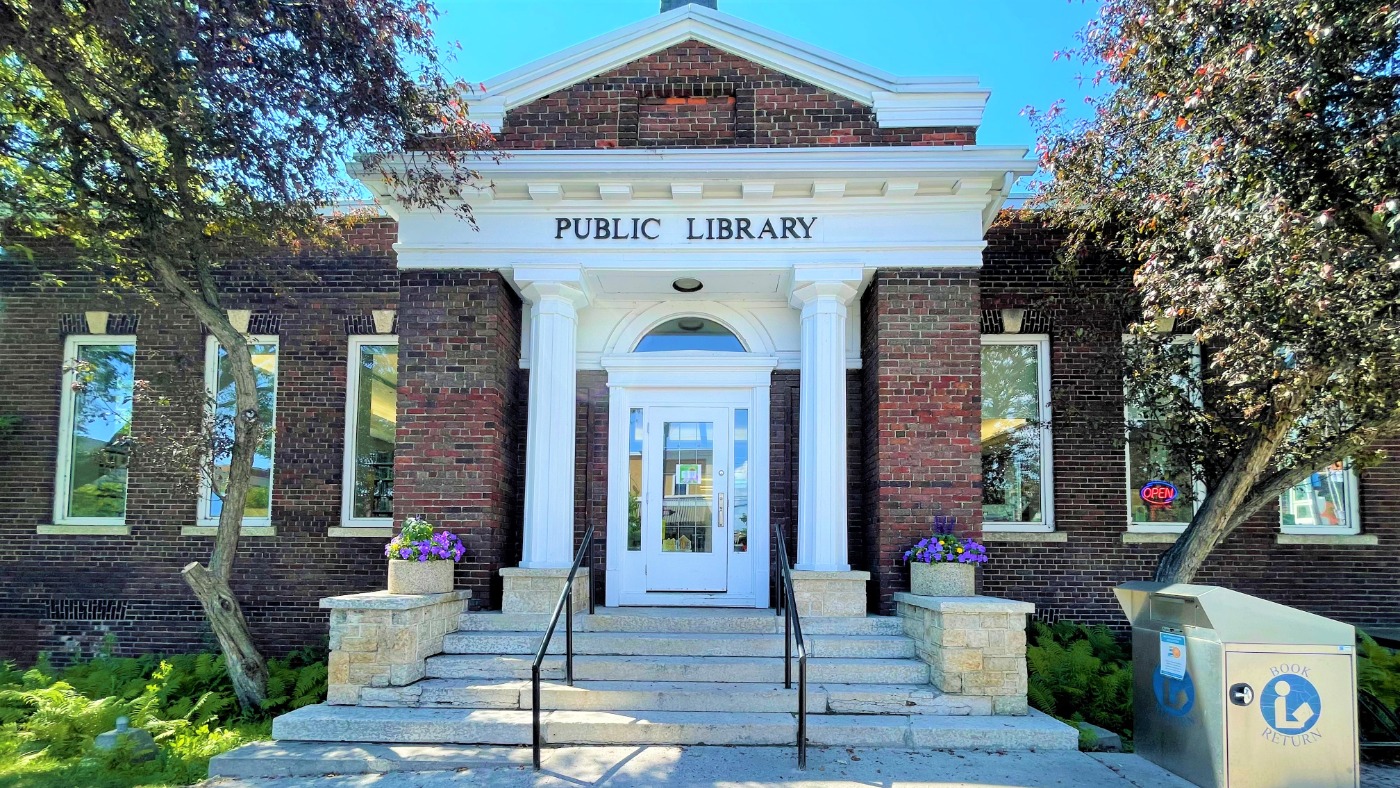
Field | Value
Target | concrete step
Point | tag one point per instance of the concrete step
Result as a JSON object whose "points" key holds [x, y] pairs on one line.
{"points": [[680, 644], [767, 670], [719, 620], [679, 696], [358, 724], [313, 759]]}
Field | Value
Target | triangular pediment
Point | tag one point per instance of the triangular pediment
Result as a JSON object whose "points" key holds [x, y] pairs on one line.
{"points": [[897, 101]]}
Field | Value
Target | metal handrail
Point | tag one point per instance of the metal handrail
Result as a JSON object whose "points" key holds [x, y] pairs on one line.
{"points": [[792, 625], [566, 601]]}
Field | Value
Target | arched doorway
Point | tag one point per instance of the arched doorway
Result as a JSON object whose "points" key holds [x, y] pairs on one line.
{"points": [[688, 466]]}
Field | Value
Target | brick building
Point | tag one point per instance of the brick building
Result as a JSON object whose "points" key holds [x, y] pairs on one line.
{"points": [[725, 285]]}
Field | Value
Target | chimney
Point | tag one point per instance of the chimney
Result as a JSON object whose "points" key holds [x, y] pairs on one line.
{"points": [[671, 5]]}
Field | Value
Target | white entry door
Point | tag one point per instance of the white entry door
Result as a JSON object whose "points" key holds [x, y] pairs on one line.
{"points": [[685, 507]]}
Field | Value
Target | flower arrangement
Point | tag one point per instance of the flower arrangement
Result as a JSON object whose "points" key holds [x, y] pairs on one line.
{"points": [[946, 546], [417, 542]]}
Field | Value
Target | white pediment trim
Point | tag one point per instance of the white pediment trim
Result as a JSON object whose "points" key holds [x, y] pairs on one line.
{"points": [[899, 102]]}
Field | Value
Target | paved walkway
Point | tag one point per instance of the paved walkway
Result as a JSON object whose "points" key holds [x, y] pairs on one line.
{"points": [[741, 767]]}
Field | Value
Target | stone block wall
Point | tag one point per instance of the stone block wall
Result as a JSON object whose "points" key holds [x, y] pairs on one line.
{"points": [[974, 645], [381, 640]]}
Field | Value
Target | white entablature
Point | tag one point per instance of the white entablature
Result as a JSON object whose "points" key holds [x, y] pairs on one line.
{"points": [[899, 102], [876, 206]]}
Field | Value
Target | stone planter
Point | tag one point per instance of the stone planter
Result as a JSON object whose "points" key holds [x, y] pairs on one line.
{"points": [[420, 577], [942, 578]]}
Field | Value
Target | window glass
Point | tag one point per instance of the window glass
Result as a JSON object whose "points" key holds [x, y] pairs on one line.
{"points": [[634, 481], [103, 377], [1157, 494], [259, 502], [690, 333], [1324, 502], [741, 480], [375, 418], [688, 500], [1011, 434]]}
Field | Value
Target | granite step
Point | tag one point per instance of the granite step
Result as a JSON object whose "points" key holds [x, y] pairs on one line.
{"points": [[720, 621], [389, 726], [687, 644], [767, 670], [679, 696]]}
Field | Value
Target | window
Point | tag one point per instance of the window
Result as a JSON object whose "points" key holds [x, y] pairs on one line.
{"points": [[1016, 455], [371, 417], [690, 333], [1161, 497], [634, 480], [257, 509], [95, 430], [1324, 504]]}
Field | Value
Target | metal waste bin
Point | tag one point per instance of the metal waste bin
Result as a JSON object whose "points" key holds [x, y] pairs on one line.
{"points": [[1232, 690]]}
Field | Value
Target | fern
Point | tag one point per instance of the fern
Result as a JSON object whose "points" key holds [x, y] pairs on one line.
{"points": [[1378, 671], [1081, 674]]}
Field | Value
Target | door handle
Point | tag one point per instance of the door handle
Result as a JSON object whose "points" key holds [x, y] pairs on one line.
{"points": [[721, 510]]}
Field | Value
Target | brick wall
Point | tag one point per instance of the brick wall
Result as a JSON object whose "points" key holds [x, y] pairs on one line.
{"points": [[1074, 579], [921, 408], [693, 95], [65, 593], [461, 402]]}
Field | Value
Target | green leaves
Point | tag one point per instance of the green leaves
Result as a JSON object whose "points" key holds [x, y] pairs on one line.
{"points": [[1245, 163], [1080, 673]]}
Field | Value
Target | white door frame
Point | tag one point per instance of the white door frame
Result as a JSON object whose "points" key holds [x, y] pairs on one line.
{"points": [[728, 380]]}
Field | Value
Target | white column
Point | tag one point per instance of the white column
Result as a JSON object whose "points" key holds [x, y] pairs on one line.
{"points": [[824, 295], [555, 296]]}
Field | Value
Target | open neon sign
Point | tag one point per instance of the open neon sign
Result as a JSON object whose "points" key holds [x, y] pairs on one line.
{"points": [[1158, 493]]}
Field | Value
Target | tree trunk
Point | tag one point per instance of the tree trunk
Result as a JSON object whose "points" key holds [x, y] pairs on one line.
{"points": [[1223, 509], [246, 667]]}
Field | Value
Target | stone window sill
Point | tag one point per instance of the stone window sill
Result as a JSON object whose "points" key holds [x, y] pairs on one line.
{"points": [[85, 530], [1330, 540], [359, 531], [1025, 537], [1132, 537], [213, 530]]}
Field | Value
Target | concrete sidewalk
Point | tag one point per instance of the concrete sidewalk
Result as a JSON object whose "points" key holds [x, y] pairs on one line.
{"points": [[757, 766]]}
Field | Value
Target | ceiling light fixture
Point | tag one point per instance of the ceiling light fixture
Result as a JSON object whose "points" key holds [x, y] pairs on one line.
{"points": [[687, 284]]}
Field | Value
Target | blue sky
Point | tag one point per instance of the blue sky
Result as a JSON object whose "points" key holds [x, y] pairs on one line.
{"points": [[1007, 44]]}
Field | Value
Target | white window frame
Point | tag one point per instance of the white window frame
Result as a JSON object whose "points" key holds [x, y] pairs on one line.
{"points": [[63, 479], [211, 381], [1047, 453], [352, 387], [1352, 525], [1198, 486]]}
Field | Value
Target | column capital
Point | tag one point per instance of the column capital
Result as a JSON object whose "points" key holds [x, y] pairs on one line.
{"points": [[811, 283], [541, 283]]}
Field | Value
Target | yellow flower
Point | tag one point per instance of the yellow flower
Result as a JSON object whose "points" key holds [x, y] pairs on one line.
{"points": [[960, 549]]}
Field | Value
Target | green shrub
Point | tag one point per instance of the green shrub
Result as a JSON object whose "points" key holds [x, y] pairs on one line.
{"points": [[1080, 674], [1378, 671]]}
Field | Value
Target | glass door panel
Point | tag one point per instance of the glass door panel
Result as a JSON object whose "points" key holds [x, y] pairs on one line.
{"points": [[686, 509]]}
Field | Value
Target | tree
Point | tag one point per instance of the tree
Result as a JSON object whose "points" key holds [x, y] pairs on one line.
{"points": [[1243, 158], [153, 136]]}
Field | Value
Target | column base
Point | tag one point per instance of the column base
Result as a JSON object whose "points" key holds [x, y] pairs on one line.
{"points": [[830, 593], [538, 590]]}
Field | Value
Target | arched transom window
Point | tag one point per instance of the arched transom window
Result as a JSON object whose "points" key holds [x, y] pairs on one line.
{"points": [[690, 333]]}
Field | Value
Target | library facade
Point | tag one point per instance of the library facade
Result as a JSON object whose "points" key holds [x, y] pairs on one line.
{"points": [[725, 286]]}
